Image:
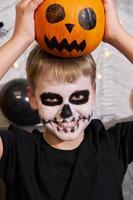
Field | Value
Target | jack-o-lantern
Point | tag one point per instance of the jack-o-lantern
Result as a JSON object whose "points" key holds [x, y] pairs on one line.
{"points": [[69, 28]]}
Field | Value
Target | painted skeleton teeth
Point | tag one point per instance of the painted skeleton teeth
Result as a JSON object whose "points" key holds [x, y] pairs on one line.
{"points": [[68, 130], [58, 128], [65, 130], [70, 124], [72, 130], [69, 127]]}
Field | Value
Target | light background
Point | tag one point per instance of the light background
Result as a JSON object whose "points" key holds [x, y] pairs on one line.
{"points": [[114, 75]]}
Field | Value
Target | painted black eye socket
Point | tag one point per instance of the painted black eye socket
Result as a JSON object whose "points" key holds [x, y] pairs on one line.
{"points": [[87, 19], [51, 99], [55, 13], [79, 97]]}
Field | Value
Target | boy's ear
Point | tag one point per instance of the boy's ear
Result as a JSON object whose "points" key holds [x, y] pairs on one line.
{"points": [[32, 99], [94, 93]]}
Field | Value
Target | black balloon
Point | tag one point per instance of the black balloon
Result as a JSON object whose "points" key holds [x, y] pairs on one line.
{"points": [[14, 103]]}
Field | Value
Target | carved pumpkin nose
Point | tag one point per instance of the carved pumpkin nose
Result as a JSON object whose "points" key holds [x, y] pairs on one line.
{"points": [[66, 111], [69, 27]]}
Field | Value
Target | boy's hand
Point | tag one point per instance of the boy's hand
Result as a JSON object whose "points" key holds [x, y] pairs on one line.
{"points": [[112, 26], [24, 25]]}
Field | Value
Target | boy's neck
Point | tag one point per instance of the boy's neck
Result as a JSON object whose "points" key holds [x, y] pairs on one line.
{"points": [[55, 142]]}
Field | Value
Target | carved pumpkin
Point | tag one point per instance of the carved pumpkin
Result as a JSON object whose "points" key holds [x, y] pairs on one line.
{"points": [[69, 28]]}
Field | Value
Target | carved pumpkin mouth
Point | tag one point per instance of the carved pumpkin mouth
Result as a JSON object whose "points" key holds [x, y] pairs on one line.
{"points": [[53, 43]]}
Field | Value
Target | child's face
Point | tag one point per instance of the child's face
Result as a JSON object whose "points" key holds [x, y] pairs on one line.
{"points": [[66, 108]]}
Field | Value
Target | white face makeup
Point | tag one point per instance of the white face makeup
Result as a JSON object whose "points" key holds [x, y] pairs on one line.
{"points": [[66, 108]]}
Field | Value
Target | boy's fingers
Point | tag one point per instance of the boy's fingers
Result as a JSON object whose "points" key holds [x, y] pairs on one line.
{"points": [[24, 2], [29, 4], [34, 4], [37, 2], [108, 3]]}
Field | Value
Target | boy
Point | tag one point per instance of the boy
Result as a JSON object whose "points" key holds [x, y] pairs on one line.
{"points": [[43, 165], [73, 153]]}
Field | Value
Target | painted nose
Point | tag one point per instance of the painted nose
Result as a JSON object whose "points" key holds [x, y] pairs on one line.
{"points": [[66, 112], [69, 27]]}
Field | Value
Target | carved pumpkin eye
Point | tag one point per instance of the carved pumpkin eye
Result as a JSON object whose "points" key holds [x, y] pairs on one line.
{"points": [[55, 13], [87, 19]]}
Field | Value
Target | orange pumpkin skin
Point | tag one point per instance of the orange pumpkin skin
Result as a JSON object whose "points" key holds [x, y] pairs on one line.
{"points": [[62, 29]]}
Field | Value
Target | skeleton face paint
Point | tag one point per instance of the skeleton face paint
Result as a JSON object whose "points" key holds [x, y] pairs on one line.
{"points": [[66, 108]]}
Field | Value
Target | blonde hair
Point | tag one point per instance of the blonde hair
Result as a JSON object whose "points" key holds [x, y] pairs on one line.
{"points": [[55, 69]]}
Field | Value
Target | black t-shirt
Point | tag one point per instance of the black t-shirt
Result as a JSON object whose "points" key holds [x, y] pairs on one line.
{"points": [[33, 170]]}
